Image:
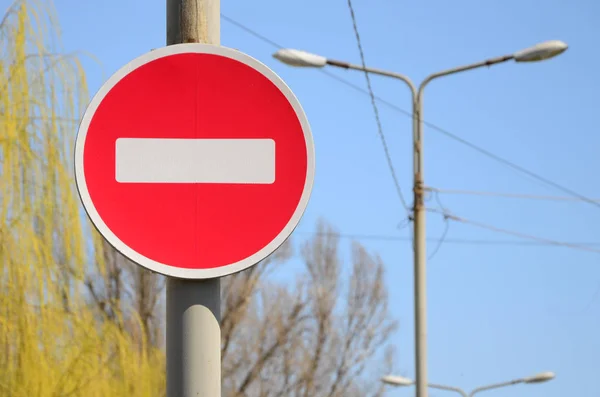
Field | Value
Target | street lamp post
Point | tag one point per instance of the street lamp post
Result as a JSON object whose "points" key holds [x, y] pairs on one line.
{"points": [[539, 52], [538, 378]]}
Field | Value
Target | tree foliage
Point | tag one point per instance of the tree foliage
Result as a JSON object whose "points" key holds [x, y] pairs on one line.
{"points": [[52, 343], [78, 319]]}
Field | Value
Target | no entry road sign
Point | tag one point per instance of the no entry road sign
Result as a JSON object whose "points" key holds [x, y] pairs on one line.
{"points": [[195, 161]]}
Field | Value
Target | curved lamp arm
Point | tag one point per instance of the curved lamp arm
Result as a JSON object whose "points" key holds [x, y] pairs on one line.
{"points": [[449, 388], [495, 386]]}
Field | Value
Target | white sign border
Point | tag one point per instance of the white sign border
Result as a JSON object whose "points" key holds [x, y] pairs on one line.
{"points": [[151, 264]]}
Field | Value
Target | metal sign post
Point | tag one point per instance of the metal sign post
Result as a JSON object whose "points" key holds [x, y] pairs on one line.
{"points": [[195, 161]]}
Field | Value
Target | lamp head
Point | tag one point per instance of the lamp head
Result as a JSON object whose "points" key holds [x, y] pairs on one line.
{"points": [[541, 51], [300, 58], [396, 380], [541, 377]]}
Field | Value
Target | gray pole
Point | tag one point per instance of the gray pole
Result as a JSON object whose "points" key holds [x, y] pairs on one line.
{"points": [[419, 247], [193, 306], [193, 21], [420, 253], [419, 213]]}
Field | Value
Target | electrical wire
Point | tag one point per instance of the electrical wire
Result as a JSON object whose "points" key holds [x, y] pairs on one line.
{"points": [[458, 241], [433, 126], [589, 304], [514, 166], [369, 92], [446, 227], [509, 195], [517, 234], [441, 240], [376, 110], [251, 31]]}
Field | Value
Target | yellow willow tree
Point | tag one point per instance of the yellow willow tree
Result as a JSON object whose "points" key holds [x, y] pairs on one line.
{"points": [[53, 342]]}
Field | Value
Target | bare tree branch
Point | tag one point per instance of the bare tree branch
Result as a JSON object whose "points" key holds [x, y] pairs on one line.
{"points": [[315, 338]]}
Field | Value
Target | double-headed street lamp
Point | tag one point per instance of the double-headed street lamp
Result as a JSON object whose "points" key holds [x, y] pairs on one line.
{"points": [[539, 52], [402, 381]]}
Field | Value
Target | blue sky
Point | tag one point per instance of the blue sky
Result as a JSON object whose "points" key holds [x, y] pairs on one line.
{"points": [[496, 312]]}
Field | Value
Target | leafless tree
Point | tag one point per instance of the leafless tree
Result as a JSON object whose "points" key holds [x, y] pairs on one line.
{"points": [[315, 338], [302, 326], [121, 287]]}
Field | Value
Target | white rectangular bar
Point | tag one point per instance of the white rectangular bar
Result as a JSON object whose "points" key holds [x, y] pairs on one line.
{"points": [[158, 160]]}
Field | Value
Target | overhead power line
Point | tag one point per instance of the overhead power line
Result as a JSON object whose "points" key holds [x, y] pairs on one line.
{"points": [[458, 241], [435, 127], [386, 150], [508, 195], [369, 92], [518, 234], [446, 228], [251, 32]]}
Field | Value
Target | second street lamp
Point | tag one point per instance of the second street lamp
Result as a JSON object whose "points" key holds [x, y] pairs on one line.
{"points": [[402, 381], [539, 52]]}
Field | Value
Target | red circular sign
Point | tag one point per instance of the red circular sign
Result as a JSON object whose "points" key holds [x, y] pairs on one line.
{"points": [[195, 161]]}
